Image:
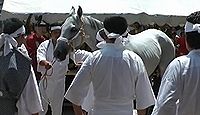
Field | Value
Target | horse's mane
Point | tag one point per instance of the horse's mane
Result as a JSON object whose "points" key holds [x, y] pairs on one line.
{"points": [[94, 23]]}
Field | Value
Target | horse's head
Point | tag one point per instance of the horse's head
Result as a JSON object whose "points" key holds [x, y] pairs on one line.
{"points": [[73, 33], [70, 29]]}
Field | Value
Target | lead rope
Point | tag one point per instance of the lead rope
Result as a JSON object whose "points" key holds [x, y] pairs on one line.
{"points": [[45, 75], [45, 82]]}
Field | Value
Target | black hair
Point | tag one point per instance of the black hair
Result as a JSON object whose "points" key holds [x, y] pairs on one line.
{"points": [[194, 18], [56, 24], [11, 25], [193, 38], [41, 23], [115, 24]]}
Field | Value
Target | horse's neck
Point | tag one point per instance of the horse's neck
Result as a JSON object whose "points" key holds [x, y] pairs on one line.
{"points": [[91, 27]]}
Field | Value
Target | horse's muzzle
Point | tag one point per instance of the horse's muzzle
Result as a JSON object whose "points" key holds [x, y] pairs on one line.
{"points": [[61, 50]]}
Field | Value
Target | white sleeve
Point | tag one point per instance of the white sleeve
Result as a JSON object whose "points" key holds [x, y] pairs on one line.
{"points": [[79, 87], [81, 55], [89, 99], [30, 99], [168, 94], [144, 92], [41, 55]]}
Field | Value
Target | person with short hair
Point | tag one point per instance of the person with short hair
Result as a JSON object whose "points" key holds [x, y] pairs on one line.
{"points": [[118, 76], [179, 90], [19, 92], [52, 84], [33, 40]]}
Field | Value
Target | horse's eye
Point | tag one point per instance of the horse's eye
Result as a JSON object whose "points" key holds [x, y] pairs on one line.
{"points": [[73, 29]]}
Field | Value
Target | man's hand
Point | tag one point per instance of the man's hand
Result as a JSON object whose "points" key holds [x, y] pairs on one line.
{"points": [[78, 110], [35, 114], [46, 63], [141, 112]]}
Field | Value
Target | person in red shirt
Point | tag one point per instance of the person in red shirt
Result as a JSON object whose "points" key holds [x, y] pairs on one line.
{"points": [[37, 36], [182, 50]]}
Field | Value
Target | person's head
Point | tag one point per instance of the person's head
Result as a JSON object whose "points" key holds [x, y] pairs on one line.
{"points": [[41, 28], [136, 25], [55, 30], [192, 30], [15, 28], [115, 24]]}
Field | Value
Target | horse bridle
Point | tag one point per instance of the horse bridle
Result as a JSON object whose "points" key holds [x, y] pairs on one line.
{"points": [[80, 32]]}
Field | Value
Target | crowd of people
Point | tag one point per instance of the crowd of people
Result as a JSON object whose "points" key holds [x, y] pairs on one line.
{"points": [[108, 80], [176, 33]]}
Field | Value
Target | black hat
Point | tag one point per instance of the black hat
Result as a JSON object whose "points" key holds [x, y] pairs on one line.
{"points": [[115, 24], [55, 26]]}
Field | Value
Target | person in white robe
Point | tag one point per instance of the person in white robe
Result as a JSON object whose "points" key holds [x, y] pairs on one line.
{"points": [[179, 90], [52, 84], [118, 76], [29, 102], [79, 57]]}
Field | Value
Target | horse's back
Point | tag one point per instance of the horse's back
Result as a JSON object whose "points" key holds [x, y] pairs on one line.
{"points": [[154, 47]]}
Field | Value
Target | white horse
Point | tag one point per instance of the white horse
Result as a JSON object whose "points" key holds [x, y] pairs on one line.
{"points": [[154, 47]]}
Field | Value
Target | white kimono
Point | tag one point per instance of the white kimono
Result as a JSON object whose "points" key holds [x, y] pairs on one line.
{"points": [[30, 99], [118, 77], [179, 90], [53, 87], [81, 56]]}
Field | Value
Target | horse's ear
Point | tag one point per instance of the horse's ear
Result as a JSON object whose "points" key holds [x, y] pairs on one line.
{"points": [[80, 11], [72, 11]]}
